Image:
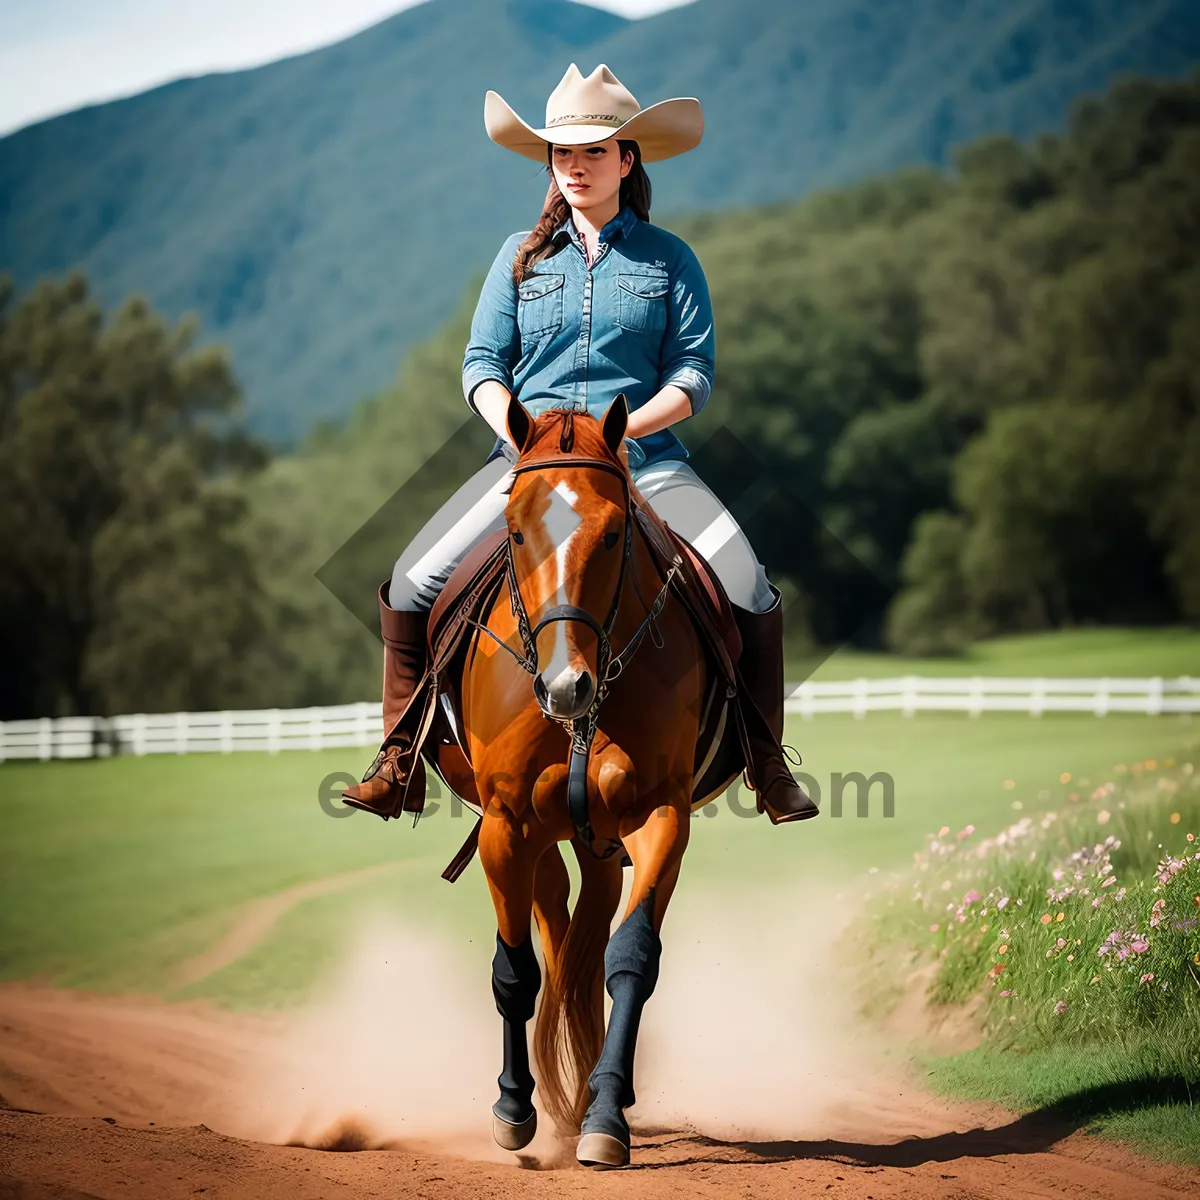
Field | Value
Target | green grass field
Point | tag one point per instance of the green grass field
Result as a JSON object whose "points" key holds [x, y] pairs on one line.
{"points": [[1081, 653], [116, 872]]}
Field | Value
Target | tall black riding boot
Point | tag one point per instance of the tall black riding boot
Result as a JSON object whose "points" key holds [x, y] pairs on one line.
{"points": [[395, 781], [761, 698]]}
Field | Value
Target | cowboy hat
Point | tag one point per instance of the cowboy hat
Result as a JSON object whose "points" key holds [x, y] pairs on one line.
{"points": [[581, 111]]}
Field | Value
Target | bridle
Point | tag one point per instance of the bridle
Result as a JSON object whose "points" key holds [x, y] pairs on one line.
{"points": [[582, 729]]}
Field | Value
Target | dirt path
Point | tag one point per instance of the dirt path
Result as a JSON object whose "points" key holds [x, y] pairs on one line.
{"points": [[138, 1098], [755, 1079], [69, 1158]]}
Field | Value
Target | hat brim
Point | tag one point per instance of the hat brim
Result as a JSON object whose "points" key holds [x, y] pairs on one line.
{"points": [[663, 130]]}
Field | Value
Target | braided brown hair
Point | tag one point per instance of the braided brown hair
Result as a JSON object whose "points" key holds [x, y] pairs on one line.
{"points": [[635, 192]]}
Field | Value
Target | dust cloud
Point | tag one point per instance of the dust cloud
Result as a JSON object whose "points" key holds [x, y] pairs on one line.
{"points": [[747, 1035]]}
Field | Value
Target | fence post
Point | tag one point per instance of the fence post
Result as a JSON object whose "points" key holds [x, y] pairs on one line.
{"points": [[975, 700], [181, 733], [860, 697], [909, 702], [1154, 700], [139, 734], [45, 739], [1101, 706], [1037, 697], [362, 727], [226, 732], [273, 731]]}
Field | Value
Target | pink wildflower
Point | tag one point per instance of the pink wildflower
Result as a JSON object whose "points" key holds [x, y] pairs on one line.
{"points": [[1123, 943]]}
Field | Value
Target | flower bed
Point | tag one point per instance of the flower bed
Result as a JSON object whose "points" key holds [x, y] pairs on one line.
{"points": [[1079, 926]]}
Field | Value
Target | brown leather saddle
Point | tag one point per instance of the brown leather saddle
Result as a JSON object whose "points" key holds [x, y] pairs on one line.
{"points": [[721, 750]]}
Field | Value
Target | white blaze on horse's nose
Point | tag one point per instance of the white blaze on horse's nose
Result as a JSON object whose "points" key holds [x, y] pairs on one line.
{"points": [[563, 692], [562, 522]]}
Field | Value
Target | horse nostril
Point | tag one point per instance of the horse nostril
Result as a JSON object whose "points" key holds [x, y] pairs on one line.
{"points": [[539, 691], [584, 690]]}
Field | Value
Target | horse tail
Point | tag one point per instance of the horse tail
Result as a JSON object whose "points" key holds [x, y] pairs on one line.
{"points": [[569, 1033]]}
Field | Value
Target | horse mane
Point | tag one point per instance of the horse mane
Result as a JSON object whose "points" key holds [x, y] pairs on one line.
{"points": [[575, 431]]}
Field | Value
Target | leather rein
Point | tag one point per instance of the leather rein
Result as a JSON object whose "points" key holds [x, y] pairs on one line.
{"points": [[582, 729]]}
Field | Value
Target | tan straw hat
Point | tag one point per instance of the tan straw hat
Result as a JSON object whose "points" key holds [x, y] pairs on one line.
{"points": [[581, 111]]}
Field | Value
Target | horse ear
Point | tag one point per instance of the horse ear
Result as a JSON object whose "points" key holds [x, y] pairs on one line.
{"points": [[614, 422], [520, 424]]}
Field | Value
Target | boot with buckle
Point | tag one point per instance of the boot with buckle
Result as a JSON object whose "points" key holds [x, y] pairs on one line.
{"points": [[761, 702], [395, 781]]}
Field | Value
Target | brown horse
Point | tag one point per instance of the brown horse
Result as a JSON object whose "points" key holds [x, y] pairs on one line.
{"points": [[600, 752]]}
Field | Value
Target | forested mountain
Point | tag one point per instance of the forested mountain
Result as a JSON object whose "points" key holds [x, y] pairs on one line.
{"points": [[324, 213], [977, 390], [949, 403]]}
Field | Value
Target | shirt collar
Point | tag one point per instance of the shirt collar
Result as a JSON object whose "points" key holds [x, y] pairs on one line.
{"points": [[620, 226]]}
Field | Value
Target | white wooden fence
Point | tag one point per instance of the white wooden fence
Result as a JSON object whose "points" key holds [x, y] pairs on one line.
{"points": [[277, 729], [911, 694]]}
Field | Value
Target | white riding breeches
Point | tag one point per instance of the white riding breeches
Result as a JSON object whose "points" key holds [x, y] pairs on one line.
{"points": [[672, 488]]}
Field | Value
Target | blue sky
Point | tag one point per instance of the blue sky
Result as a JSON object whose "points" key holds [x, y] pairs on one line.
{"points": [[58, 54]]}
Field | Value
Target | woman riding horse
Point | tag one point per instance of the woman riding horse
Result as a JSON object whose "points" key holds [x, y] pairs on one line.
{"points": [[593, 303]]}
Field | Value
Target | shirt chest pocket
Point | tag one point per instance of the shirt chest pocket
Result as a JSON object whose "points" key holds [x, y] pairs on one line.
{"points": [[642, 302], [540, 305]]}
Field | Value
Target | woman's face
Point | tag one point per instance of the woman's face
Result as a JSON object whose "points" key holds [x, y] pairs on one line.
{"points": [[590, 176]]}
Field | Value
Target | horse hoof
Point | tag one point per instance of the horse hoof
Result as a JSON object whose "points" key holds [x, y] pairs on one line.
{"points": [[514, 1137], [602, 1150]]}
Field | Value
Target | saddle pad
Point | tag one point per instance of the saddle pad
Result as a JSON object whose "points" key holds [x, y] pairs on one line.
{"points": [[715, 590], [483, 558]]}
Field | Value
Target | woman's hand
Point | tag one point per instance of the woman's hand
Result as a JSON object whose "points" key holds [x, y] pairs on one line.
{"points": [[664, 408], [491, 399]]}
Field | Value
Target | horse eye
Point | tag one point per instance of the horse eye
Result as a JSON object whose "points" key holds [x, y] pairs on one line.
{"points": [[610, 539], [518, 537]]}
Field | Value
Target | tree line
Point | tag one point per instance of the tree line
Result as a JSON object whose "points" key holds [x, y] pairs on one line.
{"points": [[981, 387], [987, 382]]}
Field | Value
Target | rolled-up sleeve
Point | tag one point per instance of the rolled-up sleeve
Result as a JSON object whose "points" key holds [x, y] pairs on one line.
{"points": [[495, 343], [689, 355]]}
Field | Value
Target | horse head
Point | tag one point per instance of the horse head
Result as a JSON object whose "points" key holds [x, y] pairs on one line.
{"points": [[568, 516]]}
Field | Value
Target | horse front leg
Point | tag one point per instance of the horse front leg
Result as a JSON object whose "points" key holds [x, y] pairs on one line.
{"points": [[508, 852], [631, 961]]}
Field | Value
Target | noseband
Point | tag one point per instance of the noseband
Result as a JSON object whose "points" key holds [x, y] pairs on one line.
{"points": [[582, 729]]}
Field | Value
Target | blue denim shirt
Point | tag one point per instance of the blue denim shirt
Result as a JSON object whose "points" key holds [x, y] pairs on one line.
{"points": [[573, 336]]}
